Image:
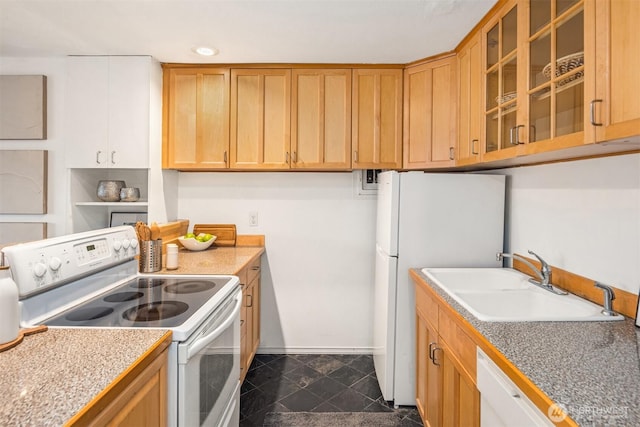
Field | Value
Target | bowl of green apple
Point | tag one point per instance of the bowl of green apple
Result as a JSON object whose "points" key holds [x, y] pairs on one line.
{"points": [[197, 243]]}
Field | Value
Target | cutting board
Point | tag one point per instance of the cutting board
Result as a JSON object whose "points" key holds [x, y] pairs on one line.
{"points": [[225, 233], [170, 231]]}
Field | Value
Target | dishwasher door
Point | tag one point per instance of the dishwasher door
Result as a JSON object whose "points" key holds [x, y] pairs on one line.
{"points": [[502, 404]]}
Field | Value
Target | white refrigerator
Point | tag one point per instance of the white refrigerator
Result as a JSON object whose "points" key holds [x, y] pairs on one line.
{"points": [[425, 220]]}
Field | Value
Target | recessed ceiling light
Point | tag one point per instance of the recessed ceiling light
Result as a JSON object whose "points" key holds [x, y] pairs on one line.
{"points": [[205, 51]]}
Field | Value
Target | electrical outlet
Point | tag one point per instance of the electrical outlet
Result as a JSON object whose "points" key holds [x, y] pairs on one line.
{"points": [[253, 219]]}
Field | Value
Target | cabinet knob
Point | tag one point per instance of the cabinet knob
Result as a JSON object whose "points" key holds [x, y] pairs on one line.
{"points": [[113, 157], [451, 153], [98, 156], [473, 146], [355, 156]]}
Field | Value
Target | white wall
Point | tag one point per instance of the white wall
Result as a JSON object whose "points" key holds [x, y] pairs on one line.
{"points": [[581, 216], [318, 269], [54, 69]]}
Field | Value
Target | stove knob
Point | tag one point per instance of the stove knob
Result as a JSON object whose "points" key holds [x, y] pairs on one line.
{"points": [[134, 243], [125, 244], [117, 245], [39, 269], [55, 263]]}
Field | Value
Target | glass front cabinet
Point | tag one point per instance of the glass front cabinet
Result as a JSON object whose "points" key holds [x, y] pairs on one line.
{"points": [[555, 94], [534, 70], [502, 64]]}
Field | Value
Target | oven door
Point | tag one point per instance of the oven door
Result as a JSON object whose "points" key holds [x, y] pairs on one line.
{"points": [[209, 369]]}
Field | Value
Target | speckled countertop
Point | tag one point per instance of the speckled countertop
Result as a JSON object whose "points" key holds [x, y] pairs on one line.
{"points": [[214, 260], [50, 376], [592, 368]]}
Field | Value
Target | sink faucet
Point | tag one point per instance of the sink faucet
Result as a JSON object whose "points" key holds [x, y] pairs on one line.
{"points": [[544, 274], [609, 296]]}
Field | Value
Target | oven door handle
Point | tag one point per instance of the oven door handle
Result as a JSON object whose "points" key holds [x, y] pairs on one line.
{"points": [[207, 339]]}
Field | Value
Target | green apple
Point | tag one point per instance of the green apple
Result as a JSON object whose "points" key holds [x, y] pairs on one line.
{"points": [[207, 237], [189, 236]]}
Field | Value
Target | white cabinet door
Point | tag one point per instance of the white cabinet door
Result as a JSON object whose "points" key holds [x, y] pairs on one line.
{"points": [[87, 90], [107, 103], [129, 88]]}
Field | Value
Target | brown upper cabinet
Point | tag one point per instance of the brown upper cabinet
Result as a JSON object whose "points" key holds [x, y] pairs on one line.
{"points": [[558, 75], [321, 119], [502, 69], [614, 109], [260, 119], [196, 118], [470, 138], [430, 114], [536, 80], [534, 70], [377, 119]]}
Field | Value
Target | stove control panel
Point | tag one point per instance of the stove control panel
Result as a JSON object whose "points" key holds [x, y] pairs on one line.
{"points": [[48, 263]]}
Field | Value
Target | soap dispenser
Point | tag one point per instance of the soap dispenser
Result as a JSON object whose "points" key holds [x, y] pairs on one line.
{"points": [[9, 314]]}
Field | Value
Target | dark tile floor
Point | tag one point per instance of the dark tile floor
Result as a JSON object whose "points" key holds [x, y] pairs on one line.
{"points": [[314, 383]]}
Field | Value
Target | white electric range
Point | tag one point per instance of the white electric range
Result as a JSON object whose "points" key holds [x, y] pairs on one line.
{"points": [[91, 280]]}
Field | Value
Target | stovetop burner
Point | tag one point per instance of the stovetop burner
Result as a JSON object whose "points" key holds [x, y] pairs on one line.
{"points": [[144, 301], [123, 296], [190, 286], [157, 310]]}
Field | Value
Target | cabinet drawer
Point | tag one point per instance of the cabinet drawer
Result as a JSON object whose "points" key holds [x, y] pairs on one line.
{"points": [[253, 270], [462, 347], [427, 306]]}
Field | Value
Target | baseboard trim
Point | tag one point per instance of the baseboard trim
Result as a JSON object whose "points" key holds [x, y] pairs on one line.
{"points": [[315, 350]]}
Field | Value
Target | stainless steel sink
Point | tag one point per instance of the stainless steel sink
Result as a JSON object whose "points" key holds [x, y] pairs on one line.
{"points": [[505, 295]]}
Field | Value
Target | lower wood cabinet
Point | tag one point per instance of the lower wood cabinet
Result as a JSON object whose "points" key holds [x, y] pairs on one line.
{"points": [[140, 402], [446, 392], [460, 397], [249, 315], [428, 374]]}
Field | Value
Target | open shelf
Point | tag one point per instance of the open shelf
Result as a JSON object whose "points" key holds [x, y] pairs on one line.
{"points": [[141, 203]]}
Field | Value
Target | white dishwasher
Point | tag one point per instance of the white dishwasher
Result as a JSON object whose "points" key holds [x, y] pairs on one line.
{"points": [[502, 404]]}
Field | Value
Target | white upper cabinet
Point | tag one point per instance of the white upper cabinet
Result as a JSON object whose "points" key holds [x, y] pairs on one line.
{"points": [[108, 111]]}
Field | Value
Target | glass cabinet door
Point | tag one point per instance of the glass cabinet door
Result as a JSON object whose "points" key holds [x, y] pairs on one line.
{"points": [[556, 68], [501, 70]]}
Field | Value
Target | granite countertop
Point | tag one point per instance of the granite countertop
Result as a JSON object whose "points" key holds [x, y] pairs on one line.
{"points": [[214, 260], [51, 376], [592, 368]]}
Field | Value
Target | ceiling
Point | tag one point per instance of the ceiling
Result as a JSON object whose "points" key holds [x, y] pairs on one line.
{"points": [[267, 31]]}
